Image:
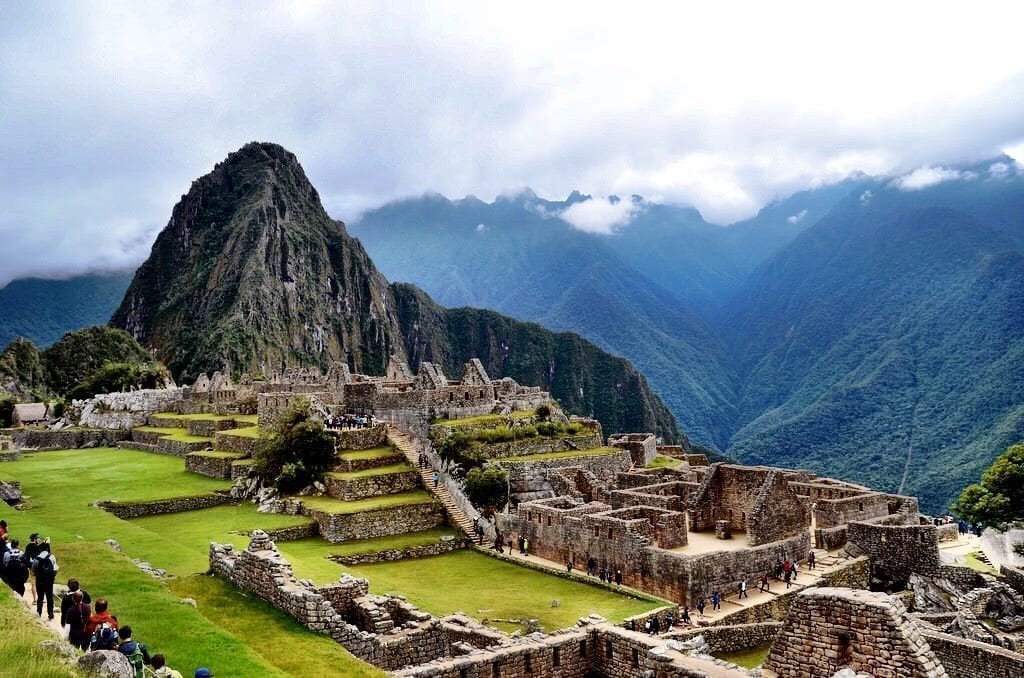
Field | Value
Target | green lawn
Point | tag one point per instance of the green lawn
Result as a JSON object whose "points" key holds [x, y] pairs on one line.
{"points": [[378, 471], [332, 505], [569, 454], [661, 461], [20, 635], [483, 587], [972, 561], [372, 453], [485, 419], [179, 434], [162, 430]]}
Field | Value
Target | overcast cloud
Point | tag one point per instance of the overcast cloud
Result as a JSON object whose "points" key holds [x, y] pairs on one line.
{"points": [[109, 110]]}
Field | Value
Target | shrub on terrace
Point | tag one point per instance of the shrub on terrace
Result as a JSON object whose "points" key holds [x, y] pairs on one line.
{"points": [[297, 452], [487, 486]]}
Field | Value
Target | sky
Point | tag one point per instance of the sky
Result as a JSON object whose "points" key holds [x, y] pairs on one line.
{"points": [[109, 110]]}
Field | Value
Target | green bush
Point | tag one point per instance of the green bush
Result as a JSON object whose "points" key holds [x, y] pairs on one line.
{"points": [[6, 410], [297, 453], [999, 497], [543, 412], [119, 376], [487, 486]]}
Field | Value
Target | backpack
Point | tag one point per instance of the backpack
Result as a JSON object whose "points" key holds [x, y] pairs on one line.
{"points": [[44, 568], [17, 570], [104, 637], [137, 660]]}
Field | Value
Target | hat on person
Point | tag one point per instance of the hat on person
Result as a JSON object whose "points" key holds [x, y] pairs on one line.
{"points": [[33, 536], [203, 673]]}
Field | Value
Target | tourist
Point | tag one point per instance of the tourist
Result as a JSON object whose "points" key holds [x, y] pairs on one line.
{"points": [[3, 530], [591, 565], [526, 547], [764, 582], [101, 617], [138, 655], [15, 568], [32, 550], [45, 571], [77, 620], [716, 601], [686, 615], [786, 566], [602, 573], [670, 621], [618, 577], [68, 600], [568, 566], [437, 477], [700, 606], [789, 578], [810, 559], [778, 570], [743, 588], [161, 669], [655, 625], [522, 545]]}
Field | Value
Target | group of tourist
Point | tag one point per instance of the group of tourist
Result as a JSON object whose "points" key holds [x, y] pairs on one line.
{"points": [[349, 421], [89, 626]]}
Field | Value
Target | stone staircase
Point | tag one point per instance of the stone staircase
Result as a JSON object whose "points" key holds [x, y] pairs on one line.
{"points": [[456, 516]]}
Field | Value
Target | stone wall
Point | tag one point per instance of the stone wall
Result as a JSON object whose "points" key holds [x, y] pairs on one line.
{"points": [[757, 500], [348, 465], [642, 447], [732, 637], [181, 448], [1014, 577], [532, 476], [361, 438], [294, 533], [948, 532], [209, 427], [214, 465], [895, 551], [963, 658], [836, 512], [43, 440], [831, 628], [125, 510], [542, 445], [123, 410], [410, 552], [339, 527], [350, 489], [231, 443], [777, 512]]}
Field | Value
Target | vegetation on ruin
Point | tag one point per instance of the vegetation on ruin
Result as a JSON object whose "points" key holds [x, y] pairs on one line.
{"points": [[495, 419], [375, 471], [297, 452], [750, 658], [487, 486], [315, 547], [999, 498], [371, 453], [661, 461]]}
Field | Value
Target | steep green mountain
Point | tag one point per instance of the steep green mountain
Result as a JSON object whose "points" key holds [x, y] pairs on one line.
{"points": [[511, 255], [43, 310], [252, 274], [885, 344]]}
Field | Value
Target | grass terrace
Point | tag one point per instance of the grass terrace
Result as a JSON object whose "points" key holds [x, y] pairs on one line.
{"points": [[315, 549], [179, 434], [372, 453], [337, 506], [377, 471], [246, 432], [20, 636], [219, 454], [661, 461], [568, 454], [495, 419]]}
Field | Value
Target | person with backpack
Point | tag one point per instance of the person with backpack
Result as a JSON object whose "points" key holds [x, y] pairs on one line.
{"points": [[68, 600], [138, 655], [15, 568], [32, 549], [77, 620], [162, 670], [102, 627], [45, 572]]}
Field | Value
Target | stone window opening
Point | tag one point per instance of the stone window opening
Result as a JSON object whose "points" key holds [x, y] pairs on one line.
{"points": [[608, 648], [556, 657], [527, 663], [463, 673], [549, 521], [636, 658], [860, 506], [597, 531], [583, 648], [609, 533], [844, 651]]}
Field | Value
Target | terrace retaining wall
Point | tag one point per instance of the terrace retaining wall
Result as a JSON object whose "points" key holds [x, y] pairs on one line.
{"points": [[339, 527], [349, 489], [126, 510], [409, 552], [45, 440]]}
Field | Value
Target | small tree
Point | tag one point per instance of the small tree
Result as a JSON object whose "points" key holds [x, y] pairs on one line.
{"points": [[999, 497], [487, 486], [543, 412], [297, 452]]}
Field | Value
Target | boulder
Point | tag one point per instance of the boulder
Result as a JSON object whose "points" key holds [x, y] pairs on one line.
{"points": [[106, 664]]}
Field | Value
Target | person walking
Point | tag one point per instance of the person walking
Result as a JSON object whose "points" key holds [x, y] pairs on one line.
{"points": [[716, 601], [45, 572], [15, 568], [700, 606], [77, 620], [764, 582], [810, 559], [743, 588]]}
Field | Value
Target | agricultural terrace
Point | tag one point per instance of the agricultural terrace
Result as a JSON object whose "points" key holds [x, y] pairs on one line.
{"points": [[233, 633]]}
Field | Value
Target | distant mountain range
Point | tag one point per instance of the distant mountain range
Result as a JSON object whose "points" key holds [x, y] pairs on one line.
{"points": [[871, 329]]}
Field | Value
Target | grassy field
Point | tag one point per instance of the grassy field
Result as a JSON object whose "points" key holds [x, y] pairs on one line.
{"points": [[569, 454], [233, 633], [332, 505], [378, 471], [244, 432], [20, 635], [372, 453], [661, 461]]}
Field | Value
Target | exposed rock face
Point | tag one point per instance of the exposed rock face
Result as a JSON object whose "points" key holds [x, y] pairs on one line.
{"points": [[252, 275]]}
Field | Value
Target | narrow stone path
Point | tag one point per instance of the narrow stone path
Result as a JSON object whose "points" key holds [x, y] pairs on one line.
{"points": [[51, 624], [456, 515]]}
